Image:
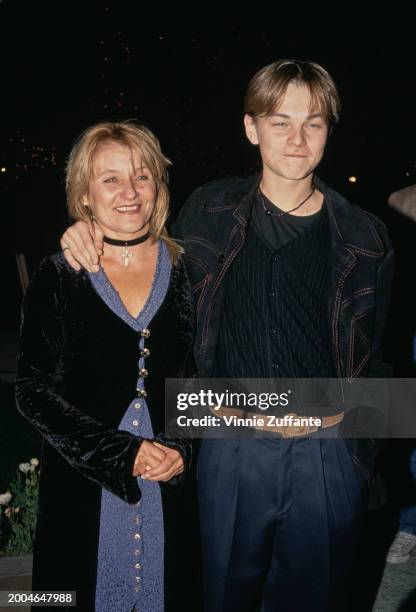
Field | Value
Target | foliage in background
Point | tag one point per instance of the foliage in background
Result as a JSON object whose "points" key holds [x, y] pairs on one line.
{"points": [[18, 511], [18, 437]]}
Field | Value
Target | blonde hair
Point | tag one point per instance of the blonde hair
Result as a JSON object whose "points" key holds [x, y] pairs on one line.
{"points": [[266, 90], [138, 138]]}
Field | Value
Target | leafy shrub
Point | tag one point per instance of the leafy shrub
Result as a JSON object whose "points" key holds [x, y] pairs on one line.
{"points": [[18, 510]]}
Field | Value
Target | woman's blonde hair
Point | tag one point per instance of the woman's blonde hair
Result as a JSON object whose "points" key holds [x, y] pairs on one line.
{"points": [[138, 138], [267, 88]]}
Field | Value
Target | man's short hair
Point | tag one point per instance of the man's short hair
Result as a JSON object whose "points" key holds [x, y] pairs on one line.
{"points": [[267, 88]]}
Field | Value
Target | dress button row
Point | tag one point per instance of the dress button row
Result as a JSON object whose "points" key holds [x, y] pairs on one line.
{"points": [[143, 373], [144, 352], [137, 536], [145, 333], [141, 393], [138, 566], [135, 423], [137, 406]]}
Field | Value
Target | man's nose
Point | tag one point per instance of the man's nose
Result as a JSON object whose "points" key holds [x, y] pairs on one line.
{"points": [[296, 137]]}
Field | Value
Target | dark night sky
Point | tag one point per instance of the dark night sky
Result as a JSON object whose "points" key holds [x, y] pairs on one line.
{"points": [[65, 66]]}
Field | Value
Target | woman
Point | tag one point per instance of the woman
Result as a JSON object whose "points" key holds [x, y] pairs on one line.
{"points": [[95, 350]]}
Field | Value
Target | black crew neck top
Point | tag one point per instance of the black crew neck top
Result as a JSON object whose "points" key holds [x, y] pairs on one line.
{"points": [[277, 230]]}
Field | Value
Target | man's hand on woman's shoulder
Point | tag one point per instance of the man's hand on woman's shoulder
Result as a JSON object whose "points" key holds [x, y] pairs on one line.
{"points": [[82, 245]]}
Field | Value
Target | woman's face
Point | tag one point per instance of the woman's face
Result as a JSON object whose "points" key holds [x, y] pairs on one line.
{"points": [[122, 191]]}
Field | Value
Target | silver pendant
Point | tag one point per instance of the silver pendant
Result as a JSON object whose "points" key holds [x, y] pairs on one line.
{"points": [[126, 256]]}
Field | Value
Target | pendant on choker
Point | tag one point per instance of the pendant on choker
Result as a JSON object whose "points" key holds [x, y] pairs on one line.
{"points": [[126, 255]]}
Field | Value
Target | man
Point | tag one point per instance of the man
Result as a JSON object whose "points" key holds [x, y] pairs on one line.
{"points": [[290, 280], [403, 547]]}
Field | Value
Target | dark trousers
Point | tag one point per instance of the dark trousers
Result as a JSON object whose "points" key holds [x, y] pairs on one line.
{"points": [[280, 520]]}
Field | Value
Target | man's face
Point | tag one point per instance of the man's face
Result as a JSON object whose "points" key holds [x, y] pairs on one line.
{"points": [[292, 139]]}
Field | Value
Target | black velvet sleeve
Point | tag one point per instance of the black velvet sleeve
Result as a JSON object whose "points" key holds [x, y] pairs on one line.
{"points": [[100, 453]]}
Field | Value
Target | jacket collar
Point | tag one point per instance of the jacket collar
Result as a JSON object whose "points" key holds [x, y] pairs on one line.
{"points": [[350, 226], [243, 210]]}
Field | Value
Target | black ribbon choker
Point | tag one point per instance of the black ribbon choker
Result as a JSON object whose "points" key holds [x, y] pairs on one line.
{"points": [[126, 243]]}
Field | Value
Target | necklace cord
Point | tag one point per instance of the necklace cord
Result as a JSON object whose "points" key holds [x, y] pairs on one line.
{"points": [[281, 213]]}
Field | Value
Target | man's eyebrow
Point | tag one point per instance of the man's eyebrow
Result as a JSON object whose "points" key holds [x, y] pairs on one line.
{"points": [[279, 115], [314, 116]]}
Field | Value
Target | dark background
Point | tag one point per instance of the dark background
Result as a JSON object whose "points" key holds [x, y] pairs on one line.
{"points": [[65, 66]]}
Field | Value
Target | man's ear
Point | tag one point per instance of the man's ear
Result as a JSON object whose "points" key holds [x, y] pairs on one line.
{"points": [[251, 129]]}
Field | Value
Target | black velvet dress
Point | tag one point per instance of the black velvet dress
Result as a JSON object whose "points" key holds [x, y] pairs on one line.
{"points": [[77, 373]]}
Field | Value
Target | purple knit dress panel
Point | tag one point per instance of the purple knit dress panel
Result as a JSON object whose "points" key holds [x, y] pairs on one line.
{"points": [[130, 568]]}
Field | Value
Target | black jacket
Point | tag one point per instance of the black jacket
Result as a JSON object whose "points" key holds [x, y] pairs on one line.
{"points": [[213, 226]]}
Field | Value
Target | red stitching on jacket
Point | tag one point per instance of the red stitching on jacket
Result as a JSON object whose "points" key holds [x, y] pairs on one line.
{"points": [[336, 309], [205, 243], [200, 263], [203, 283], [365, 252], [352, 339], [231, 256], [219, 279], [358, 293], [219, 208], [200, 284], [361, 365], [202, 296], [362, 337]]}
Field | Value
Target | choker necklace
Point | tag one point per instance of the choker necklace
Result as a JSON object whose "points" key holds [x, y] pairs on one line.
{"points": [[126, 255], [281, 213]]}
